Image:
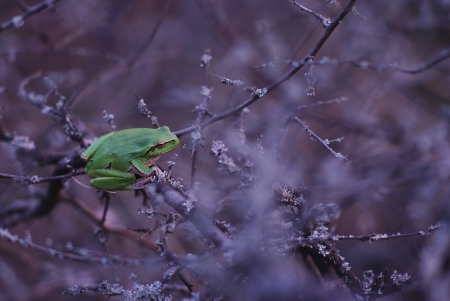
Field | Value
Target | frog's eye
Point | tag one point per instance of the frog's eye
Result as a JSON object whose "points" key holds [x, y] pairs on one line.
{"points": [[161, 144], [151, 150]]}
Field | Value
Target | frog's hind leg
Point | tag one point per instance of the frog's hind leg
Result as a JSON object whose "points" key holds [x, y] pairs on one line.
{"points": [[88, 153], [108, 179]]}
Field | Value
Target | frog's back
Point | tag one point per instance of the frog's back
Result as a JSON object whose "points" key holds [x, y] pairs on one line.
{"points": [[131, 143]]}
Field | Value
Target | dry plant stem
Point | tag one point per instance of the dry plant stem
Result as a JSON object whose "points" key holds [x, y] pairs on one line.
{"points": [[134, 61], [75, 257], [310, 56], [325, 144], [48, 201], [100, 232], [200, 117], [22, 5], [196, 215], [59, 113], [105, 197], [29, 12], [37, 180], [335, 261], [121, 231], [172, 258], [152, 36], [321, 103], [193, 168], [445, 54], [185, 282], [376, 237], [325, 21], [299, 108], [371, 238]]}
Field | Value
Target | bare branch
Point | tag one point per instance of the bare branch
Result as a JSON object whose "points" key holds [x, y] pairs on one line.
{"points": [[196, 215], [325, 21], [18, 21], [325, 143], [38, 180], [445, 54], [321, 103], [376, 237], [202, 112], [133, 62], [85, 256], [312, 53]]}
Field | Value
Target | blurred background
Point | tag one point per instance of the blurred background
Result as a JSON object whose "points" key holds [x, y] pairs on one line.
{"points": [[99, 54]]}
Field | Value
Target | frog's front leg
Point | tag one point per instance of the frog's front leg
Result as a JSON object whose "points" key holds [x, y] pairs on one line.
{"points": [[145, 172], [109, 179], [140, 168]]}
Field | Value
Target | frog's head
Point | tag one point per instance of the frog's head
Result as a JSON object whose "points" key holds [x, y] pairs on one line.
{"points": [[166, 142]]}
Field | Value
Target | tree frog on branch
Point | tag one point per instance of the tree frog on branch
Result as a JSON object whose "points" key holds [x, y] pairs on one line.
{"points": [[116, 158]]}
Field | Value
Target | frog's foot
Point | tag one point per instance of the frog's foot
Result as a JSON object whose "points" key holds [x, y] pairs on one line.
{"points": [[140, 184], [134, 170]]}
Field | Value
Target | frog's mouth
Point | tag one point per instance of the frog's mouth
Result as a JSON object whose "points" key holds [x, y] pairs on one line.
{"points": [[151, 161]]}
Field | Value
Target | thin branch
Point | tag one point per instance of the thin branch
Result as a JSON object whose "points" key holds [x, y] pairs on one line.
{"points": [[118, 230], [38, 180], [299, 108], [51, 198], [323, 142], [321, 103], [262, 92], [17, 21], [152, 36], [306, 241], [85, 256], [326, 253], [23, 6], [115, 71], [325, 21], [59, 113], [202, 111], [194, 214], [445, 54], [377, 237]]}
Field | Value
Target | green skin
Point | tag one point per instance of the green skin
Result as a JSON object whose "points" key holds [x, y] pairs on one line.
{"points": [[115, 158]]}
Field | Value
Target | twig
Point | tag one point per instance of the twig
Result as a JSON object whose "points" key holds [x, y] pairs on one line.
{"points": [[323, 142], [38, 180], [321, 103], [138, 55], [59, 113], [202, 111], [117, 70], [103, 260], [326, 253], [376, 237], [325, 21], [445, 54], [51, 198], [196, 215], [23, 6], [262, 92], [122, 231], [17, 21], [299, 108]]}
